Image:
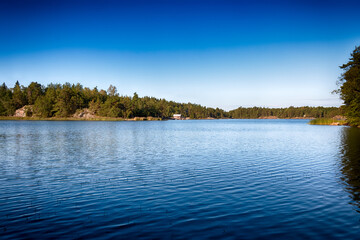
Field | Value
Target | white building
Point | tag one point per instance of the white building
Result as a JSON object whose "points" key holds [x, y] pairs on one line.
{"points": [[177, 116]]}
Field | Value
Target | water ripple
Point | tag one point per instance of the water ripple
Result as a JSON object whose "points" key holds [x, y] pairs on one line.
{"points": [[226, 179]]}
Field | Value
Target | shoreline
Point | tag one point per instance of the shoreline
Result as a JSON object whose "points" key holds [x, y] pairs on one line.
{"points": [[329, 122], [13, 118]]}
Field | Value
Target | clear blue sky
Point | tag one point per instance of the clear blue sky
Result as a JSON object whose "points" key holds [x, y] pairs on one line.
{"points": [[216, 53]]}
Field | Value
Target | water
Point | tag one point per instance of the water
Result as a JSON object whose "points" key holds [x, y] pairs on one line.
{"points": [[220, 179]]}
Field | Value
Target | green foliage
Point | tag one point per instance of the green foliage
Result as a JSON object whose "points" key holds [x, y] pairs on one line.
{"points": [[110, 108], [290, 112], [350, 88], [6, 103], [94, 106], [63, 100], [19, 97], [33, 91], [68, 99], [43, 106]]}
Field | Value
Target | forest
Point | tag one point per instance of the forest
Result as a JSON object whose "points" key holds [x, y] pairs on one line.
{"points": [[64, 100], [289, 112]]}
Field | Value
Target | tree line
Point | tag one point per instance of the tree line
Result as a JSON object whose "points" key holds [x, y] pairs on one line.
{"points": [[290, 112], [63, 100]]}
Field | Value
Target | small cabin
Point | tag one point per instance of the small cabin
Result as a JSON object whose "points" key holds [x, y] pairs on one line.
{"points": [[177, 116]]}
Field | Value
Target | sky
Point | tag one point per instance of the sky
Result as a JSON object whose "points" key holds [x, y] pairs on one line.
{"points": [[222, 54]]}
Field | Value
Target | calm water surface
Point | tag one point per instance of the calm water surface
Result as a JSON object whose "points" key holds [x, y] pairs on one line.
{"points": [[228, 179]]}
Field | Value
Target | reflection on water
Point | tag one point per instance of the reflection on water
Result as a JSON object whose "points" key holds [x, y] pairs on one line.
{"points": [[350, 163]]}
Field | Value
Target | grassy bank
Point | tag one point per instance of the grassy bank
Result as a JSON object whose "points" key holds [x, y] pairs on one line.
{"points": [[327, 121]]}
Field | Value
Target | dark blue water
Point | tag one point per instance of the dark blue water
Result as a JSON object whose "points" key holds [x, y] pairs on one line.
{"points": [[219, 179]]}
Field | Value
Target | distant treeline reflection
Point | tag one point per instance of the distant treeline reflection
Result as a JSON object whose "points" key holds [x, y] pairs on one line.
{"points": [[350, 162], [64, 100]]}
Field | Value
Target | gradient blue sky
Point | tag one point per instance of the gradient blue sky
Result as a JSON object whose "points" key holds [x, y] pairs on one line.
{"points": [[216, 53]]}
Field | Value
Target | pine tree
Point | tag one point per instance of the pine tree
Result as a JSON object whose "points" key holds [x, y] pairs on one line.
{"points": [[6, 105], [19, 98], [350, 88]]}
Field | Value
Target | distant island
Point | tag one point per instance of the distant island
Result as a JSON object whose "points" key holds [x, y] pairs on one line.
{"points": [[75, 102]]}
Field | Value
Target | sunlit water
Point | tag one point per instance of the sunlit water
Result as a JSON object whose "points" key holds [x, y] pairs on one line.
{"points": [[235, 179]]}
